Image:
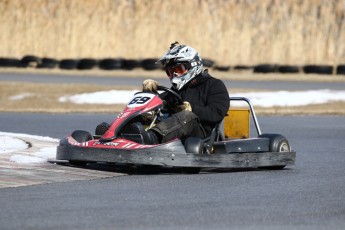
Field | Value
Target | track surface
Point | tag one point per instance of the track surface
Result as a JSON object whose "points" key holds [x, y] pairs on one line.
{"points": [[132, 81], [309, 195]]}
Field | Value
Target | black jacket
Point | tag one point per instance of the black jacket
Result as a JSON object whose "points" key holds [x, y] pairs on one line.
{"points": [[209, 99]]}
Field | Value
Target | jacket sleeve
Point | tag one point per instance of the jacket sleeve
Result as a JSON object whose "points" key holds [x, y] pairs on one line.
{"points": [[217, 105]]}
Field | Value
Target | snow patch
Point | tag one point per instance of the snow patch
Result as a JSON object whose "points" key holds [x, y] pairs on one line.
{"points": [[20, 96], [102, 97], [11, 144], [264, 99]]}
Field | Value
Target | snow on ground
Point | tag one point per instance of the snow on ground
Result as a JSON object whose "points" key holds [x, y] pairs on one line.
{"points": [[102, 97], [14, 142], [264, 99], [38, 157], [10, 144]]}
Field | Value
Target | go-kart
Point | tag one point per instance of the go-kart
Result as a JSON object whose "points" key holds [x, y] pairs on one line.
{"points": [[117, 143]]}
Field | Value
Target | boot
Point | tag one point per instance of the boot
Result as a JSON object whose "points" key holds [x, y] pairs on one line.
{"points": [[148, 137], [151, 138]]}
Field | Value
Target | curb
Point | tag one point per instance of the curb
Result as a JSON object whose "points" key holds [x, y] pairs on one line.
{"points": [[25, 174]]}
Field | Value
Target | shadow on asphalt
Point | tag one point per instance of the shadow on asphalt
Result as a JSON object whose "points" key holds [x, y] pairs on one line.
{"points": [[147, 170]]}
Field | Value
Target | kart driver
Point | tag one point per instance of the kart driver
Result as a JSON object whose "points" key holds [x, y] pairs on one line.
{"points": [[205, 99]]}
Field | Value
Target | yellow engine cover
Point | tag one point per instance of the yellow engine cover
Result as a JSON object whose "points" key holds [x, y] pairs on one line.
{"points": [[237, 123]]}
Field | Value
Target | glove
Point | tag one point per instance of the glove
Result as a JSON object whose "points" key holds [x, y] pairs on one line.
{"points": [[186, 106], [150, 85]]}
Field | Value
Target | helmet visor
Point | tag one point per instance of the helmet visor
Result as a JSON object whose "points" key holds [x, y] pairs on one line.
{"points": [[176, 70]]}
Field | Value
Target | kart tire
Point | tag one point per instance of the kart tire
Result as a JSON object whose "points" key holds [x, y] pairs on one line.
{"points": [[194, 145], [340, 69], [87, 64], [288, 69], [68, 64], [81, 136], [102, 128], [318, 69], [243, 67], [277, 143], [9, 62], [265, 68], [48, 63], [30, 61], [110, 64], [222, 68], [149, 64], [130, 64], [208, 62]]}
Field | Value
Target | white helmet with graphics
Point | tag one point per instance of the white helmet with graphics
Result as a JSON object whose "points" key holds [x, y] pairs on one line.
{"points": [[181, 63]]}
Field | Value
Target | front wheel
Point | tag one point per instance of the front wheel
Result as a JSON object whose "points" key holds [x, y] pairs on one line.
{"points": [[81, 136], [277, 143]]}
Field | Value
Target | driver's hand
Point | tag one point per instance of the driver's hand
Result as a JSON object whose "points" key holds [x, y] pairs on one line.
{"points": [[186, 106], [150, 85]]}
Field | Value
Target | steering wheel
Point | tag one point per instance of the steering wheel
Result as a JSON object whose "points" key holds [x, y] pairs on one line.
{"points": [[171, 92]]}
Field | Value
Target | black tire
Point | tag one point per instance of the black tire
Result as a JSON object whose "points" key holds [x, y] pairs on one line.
{"points": [[130, 64], [341, 69], [208, 62], [81, 136], [87, 64], [265, 68], [243, 67], [222, 68], [288, 69], [9, 62], [149, 64], [110, 64], [194, 145], [48, 63], [30, 61], [102, 128], [68, 64], [318, 69], [277, 143]]}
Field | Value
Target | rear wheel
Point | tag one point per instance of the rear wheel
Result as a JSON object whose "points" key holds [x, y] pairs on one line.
{"points": [[194, 145], [277, 143]]}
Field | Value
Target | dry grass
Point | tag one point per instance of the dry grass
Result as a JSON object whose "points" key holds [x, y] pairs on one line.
{"points": [[230, 32], [43, 98]]}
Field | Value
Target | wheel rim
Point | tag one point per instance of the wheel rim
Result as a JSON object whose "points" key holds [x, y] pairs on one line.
{"points": [[284, 147]]}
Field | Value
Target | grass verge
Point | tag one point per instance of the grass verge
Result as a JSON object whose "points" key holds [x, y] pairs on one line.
{"points": [[44, 98]]}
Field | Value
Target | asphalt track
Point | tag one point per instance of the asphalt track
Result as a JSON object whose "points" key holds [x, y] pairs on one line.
{"points": [[309, 195]]}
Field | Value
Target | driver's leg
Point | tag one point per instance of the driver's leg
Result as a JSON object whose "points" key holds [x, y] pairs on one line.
{"points": [[180, 125]]}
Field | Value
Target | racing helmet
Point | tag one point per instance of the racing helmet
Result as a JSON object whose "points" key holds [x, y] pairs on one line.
{"points": [[181, 63]]}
